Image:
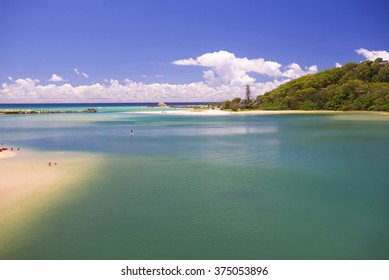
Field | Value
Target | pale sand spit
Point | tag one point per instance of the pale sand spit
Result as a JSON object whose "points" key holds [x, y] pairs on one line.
{"points": [[7, 154], [218, 112], [29, 186]]}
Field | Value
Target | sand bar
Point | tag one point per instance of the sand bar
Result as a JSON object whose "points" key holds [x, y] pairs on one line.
{"points": [[218, 112], [29, 187]]}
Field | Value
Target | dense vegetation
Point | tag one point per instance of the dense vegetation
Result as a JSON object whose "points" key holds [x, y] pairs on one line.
{"points": [[363, 86]]}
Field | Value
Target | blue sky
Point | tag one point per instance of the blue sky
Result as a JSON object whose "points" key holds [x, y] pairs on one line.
{"points": [[148, 50]]}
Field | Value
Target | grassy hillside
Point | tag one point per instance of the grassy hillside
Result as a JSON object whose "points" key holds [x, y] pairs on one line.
{"points": [[363, 86]]}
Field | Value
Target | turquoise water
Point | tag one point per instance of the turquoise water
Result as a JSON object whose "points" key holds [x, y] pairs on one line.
{"points": [[219, 187]]}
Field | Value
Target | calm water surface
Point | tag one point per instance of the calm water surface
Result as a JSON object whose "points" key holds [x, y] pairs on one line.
{"points": [[220, 187]]}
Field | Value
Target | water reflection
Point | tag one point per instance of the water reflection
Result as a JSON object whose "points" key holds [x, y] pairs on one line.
{"points": [[215, 131]]}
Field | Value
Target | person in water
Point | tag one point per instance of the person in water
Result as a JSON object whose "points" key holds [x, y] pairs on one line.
{"points": [[132, 132]]}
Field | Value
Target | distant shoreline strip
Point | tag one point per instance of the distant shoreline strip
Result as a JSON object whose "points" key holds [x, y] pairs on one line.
{"points": [[27, 111]]}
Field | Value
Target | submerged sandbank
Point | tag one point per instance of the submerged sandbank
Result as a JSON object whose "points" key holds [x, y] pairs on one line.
{"points": [[29, 186]]}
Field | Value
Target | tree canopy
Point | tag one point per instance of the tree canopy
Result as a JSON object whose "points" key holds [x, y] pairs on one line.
{"points": [[363, 86]]}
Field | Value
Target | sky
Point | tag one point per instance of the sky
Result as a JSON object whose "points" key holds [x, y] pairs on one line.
{"points": [[169, 50]]}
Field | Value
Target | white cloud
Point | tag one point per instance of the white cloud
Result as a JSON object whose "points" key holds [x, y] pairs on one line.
{"points": [[227, 69], [338, 65], [55, 78], [86, 76], [373, 55], [29, 90], [294, 70], [225, 78], [26, 83]]}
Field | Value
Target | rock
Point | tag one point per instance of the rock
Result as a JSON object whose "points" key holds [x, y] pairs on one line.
{"points": [[161, 104]]}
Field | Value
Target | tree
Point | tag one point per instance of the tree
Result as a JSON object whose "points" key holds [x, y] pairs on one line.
{"points": [[226, 104], [248, 94], [236, 100], [383, 74]]}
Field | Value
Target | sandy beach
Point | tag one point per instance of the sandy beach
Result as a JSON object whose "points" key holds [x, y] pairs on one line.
{"points": [[218, 112], [7, 154], [29, 186]]}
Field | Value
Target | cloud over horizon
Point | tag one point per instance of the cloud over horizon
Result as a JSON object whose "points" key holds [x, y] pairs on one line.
{"points": [[225, 78], [30, 90]]}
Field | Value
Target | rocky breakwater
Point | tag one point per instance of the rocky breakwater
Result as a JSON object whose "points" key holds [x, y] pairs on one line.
{"points": [[28, 111]]}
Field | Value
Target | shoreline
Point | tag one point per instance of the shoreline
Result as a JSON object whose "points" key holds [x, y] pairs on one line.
{"points": [[7, 154], [31, 112], [29, 187], [218, 112]]}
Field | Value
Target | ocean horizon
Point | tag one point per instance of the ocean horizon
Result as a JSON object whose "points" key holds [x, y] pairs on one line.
{"points": [[33, 105]]}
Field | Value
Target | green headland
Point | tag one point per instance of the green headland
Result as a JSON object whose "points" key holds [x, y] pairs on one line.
{"points": [[352, 87]]}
